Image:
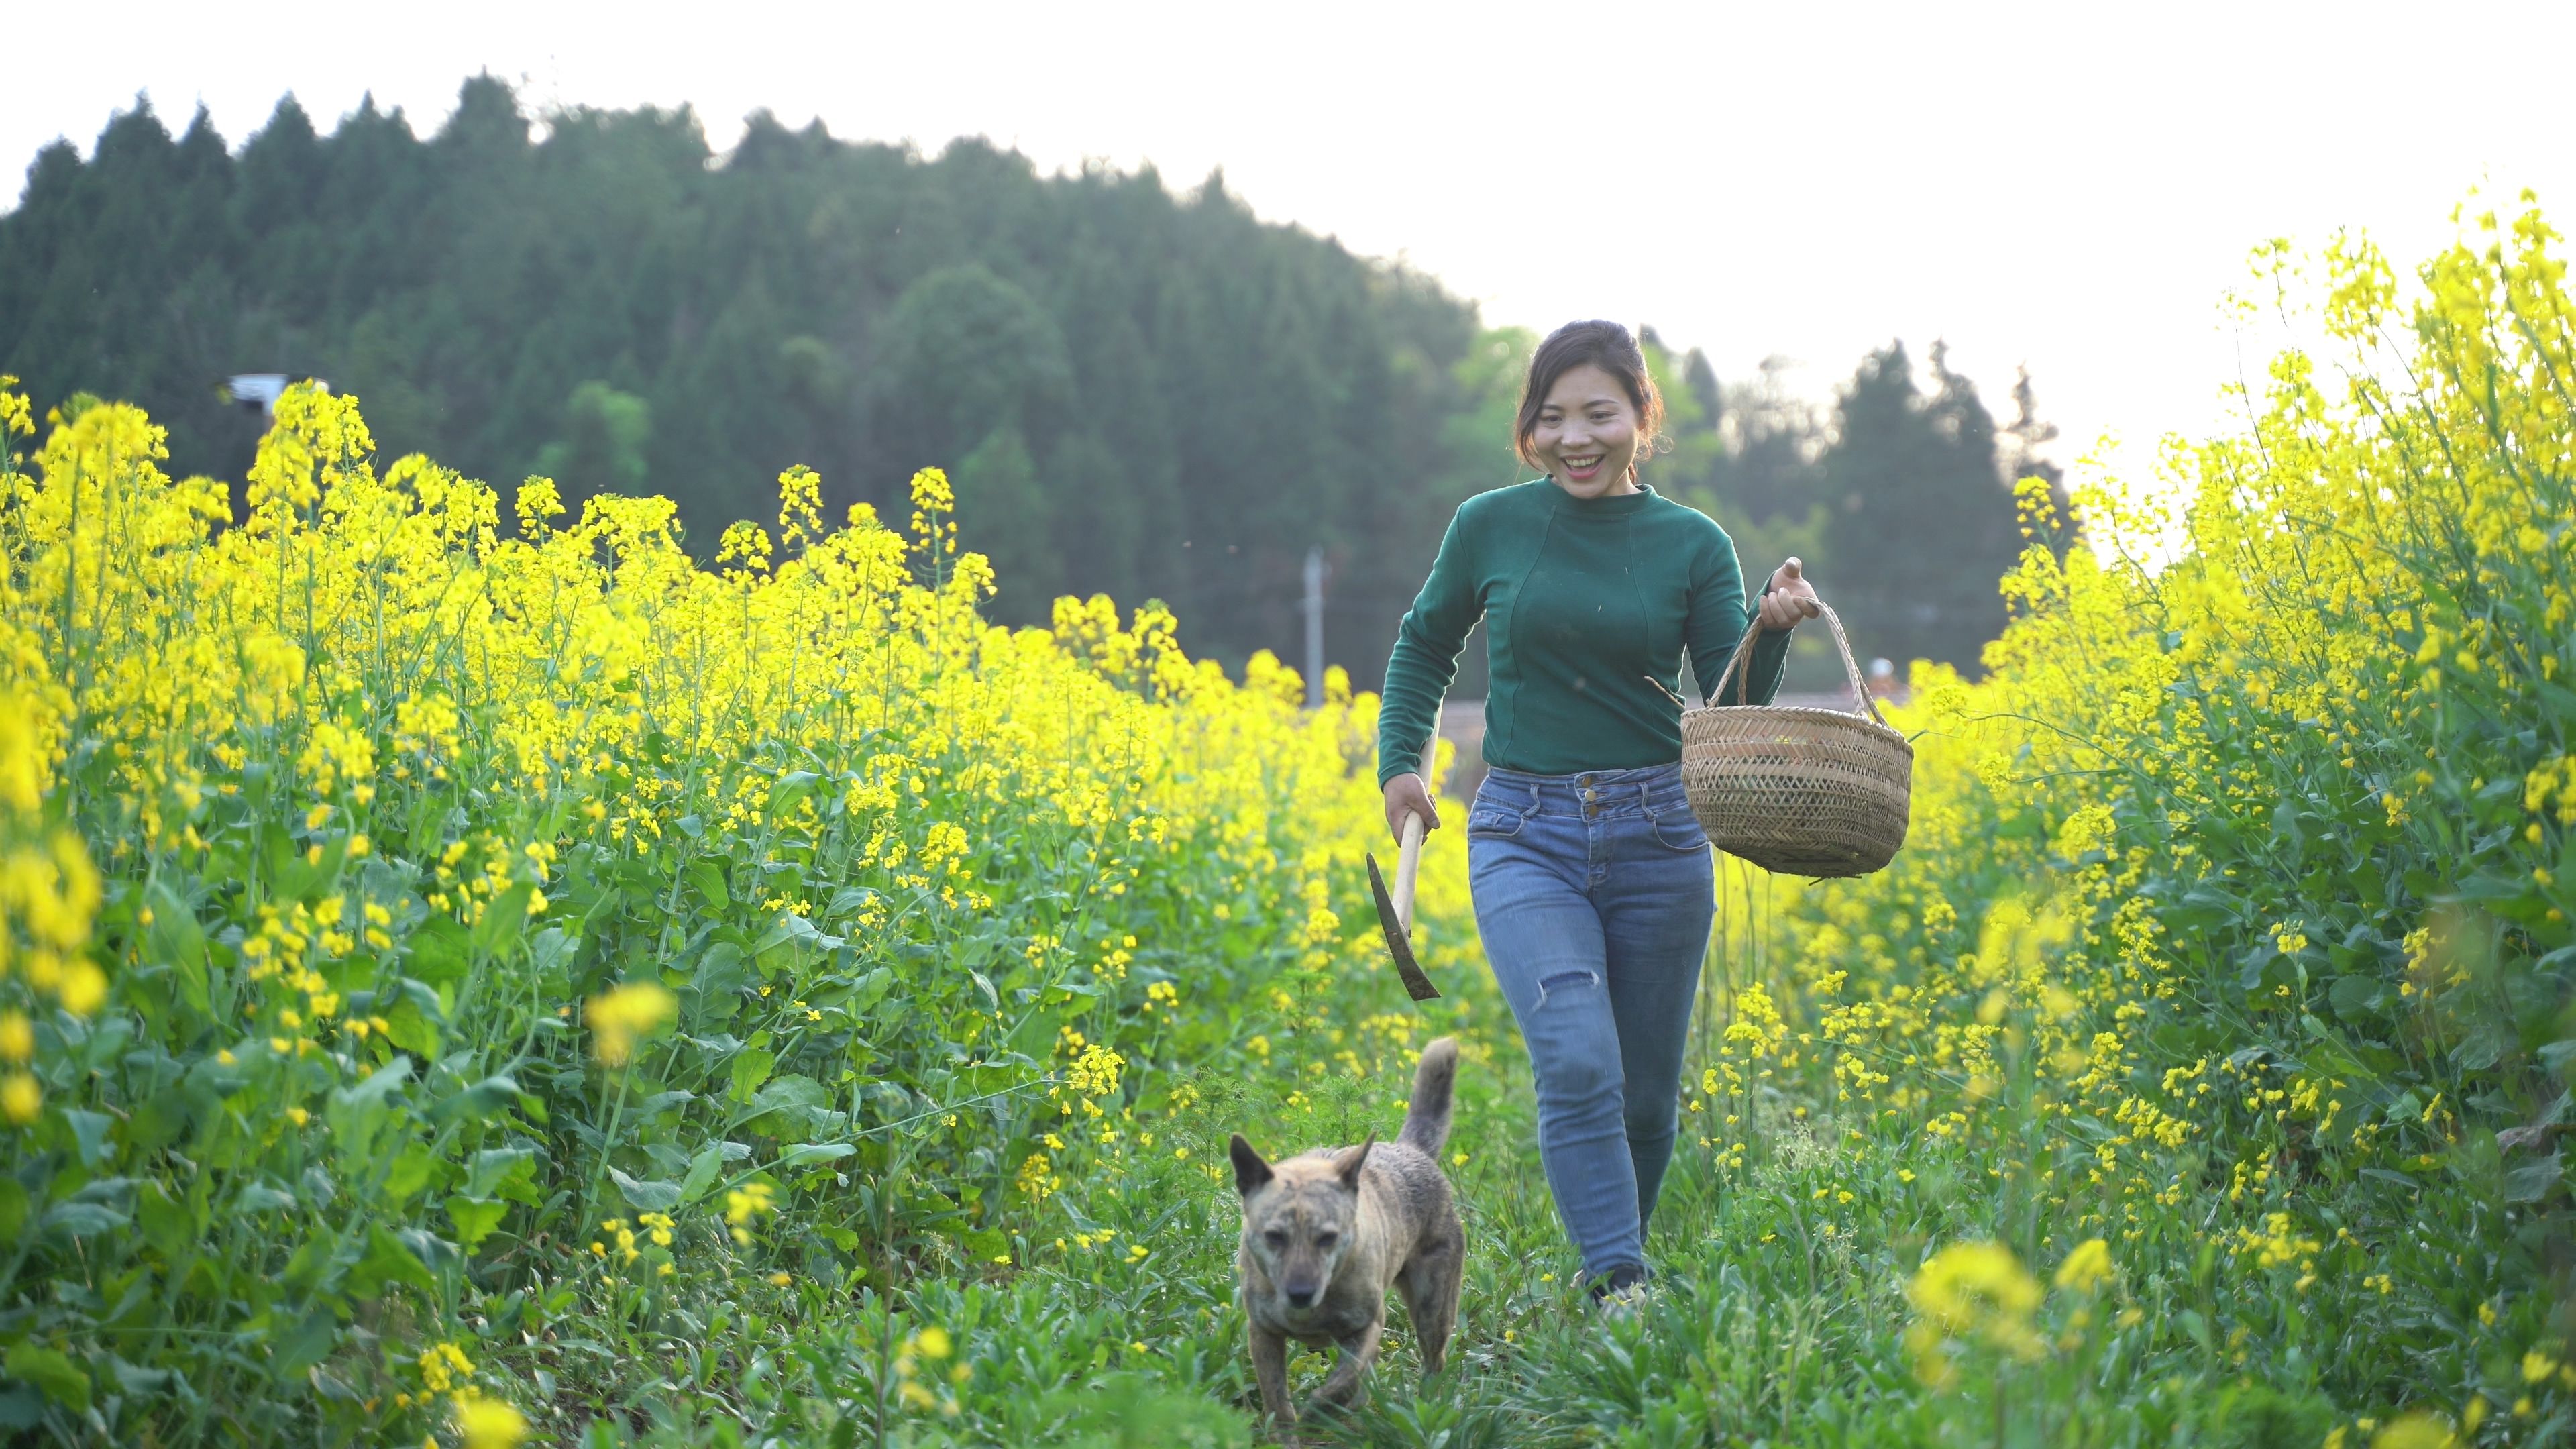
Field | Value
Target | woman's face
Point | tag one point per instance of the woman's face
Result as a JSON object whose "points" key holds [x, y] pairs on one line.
{"points": [[1586, 436]]}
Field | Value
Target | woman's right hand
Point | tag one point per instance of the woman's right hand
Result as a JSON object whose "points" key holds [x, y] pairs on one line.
{"points": [[1405, 796]]}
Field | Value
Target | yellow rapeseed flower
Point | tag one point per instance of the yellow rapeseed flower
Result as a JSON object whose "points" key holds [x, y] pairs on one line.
{"points": [[21, 1098], [486, 1423], [1971, 1292], [2415, 1431], [621, 1014], [84, 989], [2085, 1267]]}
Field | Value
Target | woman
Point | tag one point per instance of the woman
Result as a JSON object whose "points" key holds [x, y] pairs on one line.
{"points": [[1593, 882]]}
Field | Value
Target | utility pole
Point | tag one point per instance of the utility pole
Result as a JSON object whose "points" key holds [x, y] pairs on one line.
{"points": [[1315, 627]]}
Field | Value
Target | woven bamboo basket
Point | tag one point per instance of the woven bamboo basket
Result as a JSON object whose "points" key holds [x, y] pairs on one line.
{"points": [[1813, 792]]}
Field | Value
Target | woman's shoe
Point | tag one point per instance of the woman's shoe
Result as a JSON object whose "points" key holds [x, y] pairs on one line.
{"points": [[1619, 1292]]}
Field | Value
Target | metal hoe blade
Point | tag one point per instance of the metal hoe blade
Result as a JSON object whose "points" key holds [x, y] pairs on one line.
{"points": [[1398, 944]]}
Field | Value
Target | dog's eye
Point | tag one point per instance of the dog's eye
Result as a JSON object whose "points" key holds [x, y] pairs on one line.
{"points": [[1326, 1240], [1275, 1238]]}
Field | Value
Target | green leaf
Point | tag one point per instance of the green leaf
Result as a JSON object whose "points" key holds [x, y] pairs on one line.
{"points": [[411, 1029], [167, 1220], [805, 1154], [482, 1099], [751, 1067], [2557, 1054], [2532, 1181], [89, 1131], [306, 1344], [177, 939], [51, 1371], [82, 1219], [505, 920], [135, 1381], [721, 966], [21, 1408], [504, 1172], [440, 953], [709, 877], [411, 1172], [704, 1169], [2483, 887], [358, 1112], [649, 1197], [791, 1106], [13, 1209], [791, 787], [2355, 998], [430, 1248], [475, 1218], [158, 1121], [871, 988], [387, 1263]]}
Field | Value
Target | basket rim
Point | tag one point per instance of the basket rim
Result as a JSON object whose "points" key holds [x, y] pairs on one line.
{"points": [[1804, 713]]}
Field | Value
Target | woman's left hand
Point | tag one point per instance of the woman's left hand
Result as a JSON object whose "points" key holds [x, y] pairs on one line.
{"points": [[1791, 598]]}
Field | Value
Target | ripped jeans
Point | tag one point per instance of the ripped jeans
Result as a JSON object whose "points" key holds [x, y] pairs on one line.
{"points": [[1594, 894]]}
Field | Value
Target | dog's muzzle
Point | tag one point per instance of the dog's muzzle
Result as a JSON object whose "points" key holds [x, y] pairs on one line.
{"points": [[1302, 1297]]}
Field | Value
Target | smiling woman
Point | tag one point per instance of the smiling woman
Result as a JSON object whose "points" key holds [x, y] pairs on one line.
{"points": [[1592, 880], [1583, 417]]}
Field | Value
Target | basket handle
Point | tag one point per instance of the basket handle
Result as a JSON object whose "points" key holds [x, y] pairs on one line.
{"points": [[1741, 665]]}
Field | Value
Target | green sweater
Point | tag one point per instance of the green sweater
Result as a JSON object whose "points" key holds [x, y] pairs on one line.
{"points": [[1582, 600]]}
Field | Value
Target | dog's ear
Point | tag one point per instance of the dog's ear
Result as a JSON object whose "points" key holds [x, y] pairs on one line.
{"points": [[1348, 1162], [1250, 1172]]}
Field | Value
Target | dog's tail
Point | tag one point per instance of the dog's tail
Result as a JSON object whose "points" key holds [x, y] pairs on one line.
{"points": [[1426, 1121]]}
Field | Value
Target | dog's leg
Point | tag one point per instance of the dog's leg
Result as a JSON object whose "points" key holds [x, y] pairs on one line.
{"points": [[1270, 1367], [1342, 1387], [1430, 1283]]}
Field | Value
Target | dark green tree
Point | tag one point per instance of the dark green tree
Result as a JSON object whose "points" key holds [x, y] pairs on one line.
{"points": [[1920, 515], [607, 437], [1141, 391]]}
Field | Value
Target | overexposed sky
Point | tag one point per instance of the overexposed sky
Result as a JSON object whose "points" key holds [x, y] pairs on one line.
{"points": [[2069, 186]]}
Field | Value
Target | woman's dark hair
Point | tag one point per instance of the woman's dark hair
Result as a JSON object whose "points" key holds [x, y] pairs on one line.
{"points": [[1605, 345]]}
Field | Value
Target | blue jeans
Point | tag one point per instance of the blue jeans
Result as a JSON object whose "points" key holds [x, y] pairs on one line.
{"points": [[1594, 895]]}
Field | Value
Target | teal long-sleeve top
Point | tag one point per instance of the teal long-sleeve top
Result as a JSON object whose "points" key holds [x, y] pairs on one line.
{"points": [[1584, 600]]}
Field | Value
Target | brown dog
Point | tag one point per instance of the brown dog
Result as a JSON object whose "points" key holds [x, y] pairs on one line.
{"points": [[1326, 1233]]}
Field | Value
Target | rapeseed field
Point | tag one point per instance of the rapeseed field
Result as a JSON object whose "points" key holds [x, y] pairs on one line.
{"points": [[470, 974]]}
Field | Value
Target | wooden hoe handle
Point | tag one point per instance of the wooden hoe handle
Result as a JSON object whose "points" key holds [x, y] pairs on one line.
{"points": [[1408, 854], [1408, 859]]}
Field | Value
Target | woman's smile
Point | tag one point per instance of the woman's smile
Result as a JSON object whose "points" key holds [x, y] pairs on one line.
{"points": [[1586, 434]]}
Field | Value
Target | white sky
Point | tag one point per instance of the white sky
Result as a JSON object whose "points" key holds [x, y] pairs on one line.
{"points": [[2073, 186]]}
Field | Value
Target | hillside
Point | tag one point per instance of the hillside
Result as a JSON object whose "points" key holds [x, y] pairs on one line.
{"points": [[1141, 392]]}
